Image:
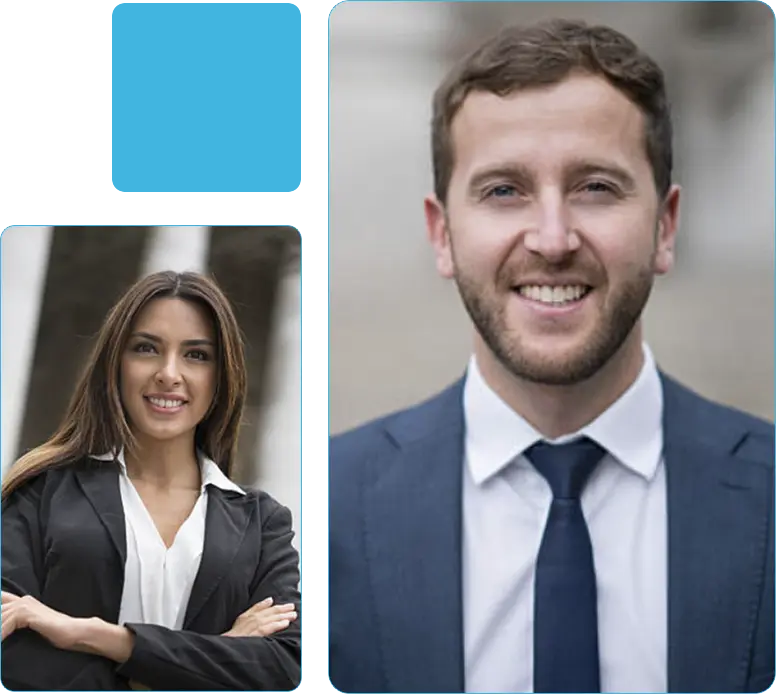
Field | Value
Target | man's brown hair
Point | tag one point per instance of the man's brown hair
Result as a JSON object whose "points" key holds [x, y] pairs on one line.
{"points": [[522, 57]]}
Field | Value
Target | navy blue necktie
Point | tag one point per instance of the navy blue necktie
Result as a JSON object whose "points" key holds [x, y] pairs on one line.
{"points": [[565, 605]]}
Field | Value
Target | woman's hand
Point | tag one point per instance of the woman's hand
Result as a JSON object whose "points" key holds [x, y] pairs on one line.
{"points": [[85, 635], [26, 612], [263, 619]]}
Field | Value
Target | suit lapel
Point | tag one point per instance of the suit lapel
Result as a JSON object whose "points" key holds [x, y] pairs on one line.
{"points": [[413, 540], [228, 517], [99, 482], [717, 531]]}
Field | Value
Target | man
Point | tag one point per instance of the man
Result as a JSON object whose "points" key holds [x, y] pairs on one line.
{"points": [[566, 517]]}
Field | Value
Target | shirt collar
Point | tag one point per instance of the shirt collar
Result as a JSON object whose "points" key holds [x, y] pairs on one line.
{"points": [[630, 429], [210, 472]]}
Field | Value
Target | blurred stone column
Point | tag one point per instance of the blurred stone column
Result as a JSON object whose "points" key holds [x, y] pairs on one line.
{"points": [[726, 116], [247, 263], [88, 269], [710, 321], [279, 450], [386, 59], [176, 248], [25, 253]]}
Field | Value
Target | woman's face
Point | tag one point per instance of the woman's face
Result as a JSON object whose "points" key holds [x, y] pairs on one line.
{"points": [[168, 369]]}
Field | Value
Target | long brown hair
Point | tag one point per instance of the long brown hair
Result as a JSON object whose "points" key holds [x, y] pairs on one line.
{"points": [[521, 57], [95, 421]]}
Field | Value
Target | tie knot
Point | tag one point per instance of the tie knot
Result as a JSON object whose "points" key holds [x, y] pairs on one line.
{"points": [[566, 467]]}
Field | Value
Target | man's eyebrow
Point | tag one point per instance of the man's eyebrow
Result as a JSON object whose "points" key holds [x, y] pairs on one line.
{"points": [[521, 173], [589, 168], [512, 172]]}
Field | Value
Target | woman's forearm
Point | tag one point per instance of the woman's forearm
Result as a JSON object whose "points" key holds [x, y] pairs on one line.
{"points": [[111, 641], [90, 635]]}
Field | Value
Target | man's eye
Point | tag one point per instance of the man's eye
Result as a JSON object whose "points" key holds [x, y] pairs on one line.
{"points": [[503, 191], [598, 187]]}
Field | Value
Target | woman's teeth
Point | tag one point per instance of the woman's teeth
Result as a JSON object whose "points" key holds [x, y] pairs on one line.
{"points": [[166, 403]]}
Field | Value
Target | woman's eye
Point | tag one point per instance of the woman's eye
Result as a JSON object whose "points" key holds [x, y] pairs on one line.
{"points": [[144, 348], [198, 355]]}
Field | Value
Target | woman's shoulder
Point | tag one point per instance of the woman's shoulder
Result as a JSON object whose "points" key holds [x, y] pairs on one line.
{"points": [[270, 509], [51, 478]]}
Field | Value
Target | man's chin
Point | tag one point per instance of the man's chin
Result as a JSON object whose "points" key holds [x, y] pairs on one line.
{"points": [[550, 373], [552, 361]]}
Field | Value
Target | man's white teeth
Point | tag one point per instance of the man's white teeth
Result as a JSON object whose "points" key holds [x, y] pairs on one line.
{"points": [[166, 403], [553, 295]]}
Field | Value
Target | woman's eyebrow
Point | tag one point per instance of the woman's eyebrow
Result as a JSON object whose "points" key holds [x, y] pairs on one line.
{"points": [[188, 343]]}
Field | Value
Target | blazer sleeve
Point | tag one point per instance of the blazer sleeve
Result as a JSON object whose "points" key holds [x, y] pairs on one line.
{"points": [[166, 659], [761, 673], [23, 573]]}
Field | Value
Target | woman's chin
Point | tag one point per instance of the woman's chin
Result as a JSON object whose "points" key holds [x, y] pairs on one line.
{"points": [[162, 434]]}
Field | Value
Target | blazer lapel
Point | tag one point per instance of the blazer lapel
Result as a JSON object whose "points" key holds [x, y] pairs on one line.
{"points": [[99, 481], [717, 531], [413, 540], [228, 517]]}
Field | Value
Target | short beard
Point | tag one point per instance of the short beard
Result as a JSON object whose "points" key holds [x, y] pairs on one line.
{"points": [[620, 315]]}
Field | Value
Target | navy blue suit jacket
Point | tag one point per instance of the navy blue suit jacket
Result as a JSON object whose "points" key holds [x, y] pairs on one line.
{"points": [[395, 548]]}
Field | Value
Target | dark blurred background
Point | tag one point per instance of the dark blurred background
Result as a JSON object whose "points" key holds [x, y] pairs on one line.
{"points": [[398, 332], [58, 284]]}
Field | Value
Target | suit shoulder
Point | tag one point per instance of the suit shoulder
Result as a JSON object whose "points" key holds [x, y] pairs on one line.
{"points": [[45, 490], [270, 507], [754, 424], [748, 435], [757, 443], [49, 478], [362, 437], [397, 427]]}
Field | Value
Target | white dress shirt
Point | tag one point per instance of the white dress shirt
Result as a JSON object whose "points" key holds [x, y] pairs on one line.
{"points": [[158, 580], [505, 507]]}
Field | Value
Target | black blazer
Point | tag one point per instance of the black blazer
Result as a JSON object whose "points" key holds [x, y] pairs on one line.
{"points": [[395, 591], [64, 543]]}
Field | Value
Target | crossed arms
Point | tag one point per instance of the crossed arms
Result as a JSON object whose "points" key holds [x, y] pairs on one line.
{"points": [[44, 649]]}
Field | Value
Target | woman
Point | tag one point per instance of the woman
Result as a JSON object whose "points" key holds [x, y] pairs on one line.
{"points": [[129, 558]]}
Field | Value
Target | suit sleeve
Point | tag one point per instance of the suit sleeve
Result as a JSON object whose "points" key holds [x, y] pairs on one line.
{"points": [[761, 673], [23, 573], [167, 659]]}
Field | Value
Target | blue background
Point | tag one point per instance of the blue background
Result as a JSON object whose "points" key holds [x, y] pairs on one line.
{"points": [[171, 112]]}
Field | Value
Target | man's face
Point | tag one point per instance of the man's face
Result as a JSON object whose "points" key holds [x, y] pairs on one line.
{"points": [[552, 228]]}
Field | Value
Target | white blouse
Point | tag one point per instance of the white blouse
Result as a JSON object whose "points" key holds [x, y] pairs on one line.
{"points": [[158, 580]]}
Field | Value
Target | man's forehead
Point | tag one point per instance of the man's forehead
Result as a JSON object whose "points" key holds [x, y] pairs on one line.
{"points": [[579, 113], [571, 98]]}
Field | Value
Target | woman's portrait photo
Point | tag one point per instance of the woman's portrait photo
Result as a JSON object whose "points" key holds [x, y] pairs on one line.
{"points": [[150, 490]]}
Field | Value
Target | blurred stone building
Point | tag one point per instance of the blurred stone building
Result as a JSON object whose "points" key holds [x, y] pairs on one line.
{"points": [[398, 332], [59, 283]]}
